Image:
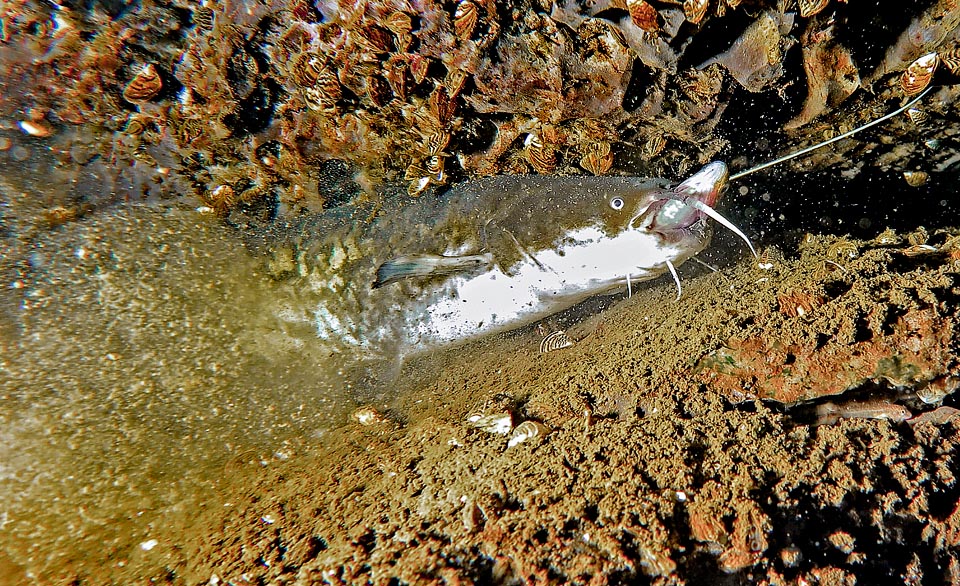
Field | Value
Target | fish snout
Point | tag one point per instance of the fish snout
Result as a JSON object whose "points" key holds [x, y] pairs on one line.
{"points": [[706, 184]]}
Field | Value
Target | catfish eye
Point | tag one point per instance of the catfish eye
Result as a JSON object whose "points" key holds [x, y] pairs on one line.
{"points": [[616, 203]]}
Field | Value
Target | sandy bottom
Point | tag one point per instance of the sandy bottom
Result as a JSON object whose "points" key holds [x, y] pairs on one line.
{"points": [[700, 441], [661, 465]]}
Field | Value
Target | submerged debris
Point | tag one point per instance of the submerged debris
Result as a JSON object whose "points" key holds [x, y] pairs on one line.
{"points": [[832, 74], [894, 343], [756, 59], [938, 416]]}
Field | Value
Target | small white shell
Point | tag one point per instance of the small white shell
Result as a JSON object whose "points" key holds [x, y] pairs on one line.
{"points": [[367, 416], [500, 423], [525, 431], [35, 128], [555, 341], [888, 237]]}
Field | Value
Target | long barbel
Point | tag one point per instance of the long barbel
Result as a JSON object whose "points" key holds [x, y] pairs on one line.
{"points": [[820, 145]]}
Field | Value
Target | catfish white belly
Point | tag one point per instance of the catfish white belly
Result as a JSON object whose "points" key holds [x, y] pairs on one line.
{"points": [[495, 301]]}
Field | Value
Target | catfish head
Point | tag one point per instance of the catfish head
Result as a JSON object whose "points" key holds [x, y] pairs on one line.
{"points": [[674, 213]]}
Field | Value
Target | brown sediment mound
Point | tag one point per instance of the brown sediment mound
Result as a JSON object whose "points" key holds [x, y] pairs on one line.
{"points": [[650, 473], [839, 330]]}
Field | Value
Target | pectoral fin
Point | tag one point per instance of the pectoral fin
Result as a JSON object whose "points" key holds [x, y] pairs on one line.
{"points": [[429, 265], [505, 248]]}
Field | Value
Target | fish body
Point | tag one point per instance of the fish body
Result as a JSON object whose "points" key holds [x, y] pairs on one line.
{"points": [[831, 413], [492, 255]]}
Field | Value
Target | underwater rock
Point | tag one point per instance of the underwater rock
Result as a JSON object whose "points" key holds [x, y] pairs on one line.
{"points": [[832, 74], [841, 335], [755, 59], [653, 50]]}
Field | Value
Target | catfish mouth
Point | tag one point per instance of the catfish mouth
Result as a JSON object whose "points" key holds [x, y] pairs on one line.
{"points": [[701, 191], [691, 202], [684, 205]]}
